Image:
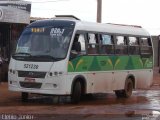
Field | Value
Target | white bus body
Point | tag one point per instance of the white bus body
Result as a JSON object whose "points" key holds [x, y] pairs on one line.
{"points": [[117, 68]]}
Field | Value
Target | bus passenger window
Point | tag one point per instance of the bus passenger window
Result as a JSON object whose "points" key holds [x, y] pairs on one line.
{"points": [[106, 44], [120, 40], [82, 43], [121, 45], [144, 41], [133, 46], [106, 40], [93, 46], [78, 46], [146, 47]]}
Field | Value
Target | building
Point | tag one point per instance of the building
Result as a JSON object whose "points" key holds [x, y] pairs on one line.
{"points": [[14, 17]]}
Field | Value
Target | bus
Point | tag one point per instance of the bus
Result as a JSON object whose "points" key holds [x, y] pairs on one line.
{"points": [[63, 56]]}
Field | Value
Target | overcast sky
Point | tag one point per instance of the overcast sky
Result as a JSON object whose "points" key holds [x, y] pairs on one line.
{"points": [[145, 13]]}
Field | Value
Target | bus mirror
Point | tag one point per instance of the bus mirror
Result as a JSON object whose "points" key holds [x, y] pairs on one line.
{"points": [[77, 46]]}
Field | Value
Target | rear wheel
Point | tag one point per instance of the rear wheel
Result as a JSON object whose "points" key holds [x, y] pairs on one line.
{"points": [[128, 88], [127, 91], [24, 96], [76, 92]]}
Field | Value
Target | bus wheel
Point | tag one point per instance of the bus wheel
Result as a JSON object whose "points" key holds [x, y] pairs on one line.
{"points": [[24, 96], [127, 91], [76, 92]]}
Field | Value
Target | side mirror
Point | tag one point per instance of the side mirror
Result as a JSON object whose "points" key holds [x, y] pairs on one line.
{"points": [[77, 46]]}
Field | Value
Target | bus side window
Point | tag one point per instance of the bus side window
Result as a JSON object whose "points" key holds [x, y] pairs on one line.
{"points": [[146, 47], [121, 45], [107, 46], [82, 43], [93, 46], [133, 45], [78, 46]]}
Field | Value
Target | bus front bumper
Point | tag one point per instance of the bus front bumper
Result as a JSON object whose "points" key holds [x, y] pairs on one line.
{"points": [[38, 91]]}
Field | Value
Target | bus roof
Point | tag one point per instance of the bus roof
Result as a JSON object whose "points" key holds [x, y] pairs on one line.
{"points": [[112, 28], [102, 27]]}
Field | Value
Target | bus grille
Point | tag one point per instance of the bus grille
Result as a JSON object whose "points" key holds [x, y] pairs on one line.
{"points": [[30, 85], [31, 74]]}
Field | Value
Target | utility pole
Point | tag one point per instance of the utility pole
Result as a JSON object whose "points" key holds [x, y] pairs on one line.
{"points": [[99, 11]]}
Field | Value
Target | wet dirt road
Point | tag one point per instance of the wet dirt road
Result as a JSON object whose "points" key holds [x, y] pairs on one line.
{"points": [[143, 105]]}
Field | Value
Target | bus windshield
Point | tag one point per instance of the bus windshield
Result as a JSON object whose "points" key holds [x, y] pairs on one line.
{"points": [[45, 41]]}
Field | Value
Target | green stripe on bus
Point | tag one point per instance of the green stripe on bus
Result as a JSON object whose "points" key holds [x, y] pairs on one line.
{"points": [[108, 63]]}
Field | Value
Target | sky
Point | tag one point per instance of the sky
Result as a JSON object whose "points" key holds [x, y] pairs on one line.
{"points": [[145, 13]]}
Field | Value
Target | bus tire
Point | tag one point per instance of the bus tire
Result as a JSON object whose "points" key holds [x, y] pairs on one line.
{"points": [[127, 91], [76, 92], [24, 96]]}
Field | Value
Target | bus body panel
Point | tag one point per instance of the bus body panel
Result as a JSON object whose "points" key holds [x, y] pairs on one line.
{"points": [[113, 71], [144, 78], [102, 81]]}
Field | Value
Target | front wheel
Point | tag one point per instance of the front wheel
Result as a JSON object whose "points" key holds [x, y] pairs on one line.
{"points": [[76, 92]]}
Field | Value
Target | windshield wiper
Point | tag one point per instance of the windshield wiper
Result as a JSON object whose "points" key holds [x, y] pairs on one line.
{"points": [[22, 54], [47, 56]]}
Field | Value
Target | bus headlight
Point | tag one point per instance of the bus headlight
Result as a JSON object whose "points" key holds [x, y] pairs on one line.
{"points": [[56, 73], [12, 71]]}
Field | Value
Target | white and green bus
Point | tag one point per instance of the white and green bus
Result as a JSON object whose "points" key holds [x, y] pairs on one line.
{"points": [[71, 57]]}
